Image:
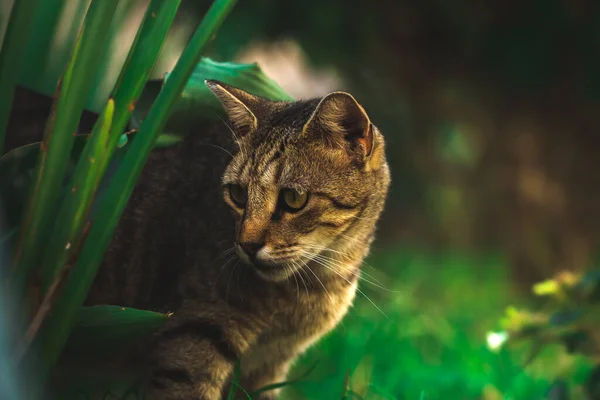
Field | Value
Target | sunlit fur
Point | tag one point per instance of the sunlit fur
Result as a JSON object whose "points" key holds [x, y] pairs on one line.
{"points": [[176, 249]]}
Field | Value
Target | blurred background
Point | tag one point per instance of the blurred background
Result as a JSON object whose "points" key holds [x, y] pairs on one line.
{"points": [[491, 115]]}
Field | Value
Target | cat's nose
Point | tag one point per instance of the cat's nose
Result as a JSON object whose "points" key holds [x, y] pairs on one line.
{"points": [[251, 248]]}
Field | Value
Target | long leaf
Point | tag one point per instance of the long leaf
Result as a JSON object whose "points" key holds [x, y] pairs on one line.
{"points": [[11, 57], [109, 328], [55, 332], [196, 95], [58, 137], [142, 56], [250, 77], [39, 45], [75, 207], [17, 168], [140, 61]]}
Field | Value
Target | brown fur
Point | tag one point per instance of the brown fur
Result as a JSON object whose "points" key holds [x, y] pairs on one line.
{"points": [[262, 311]]}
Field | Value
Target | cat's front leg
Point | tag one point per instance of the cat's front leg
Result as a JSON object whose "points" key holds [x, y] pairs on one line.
{"points": [[267, 374], [194, 357]]}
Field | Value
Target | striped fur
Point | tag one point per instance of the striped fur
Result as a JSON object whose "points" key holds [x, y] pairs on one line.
{"points": [[177, 246]]}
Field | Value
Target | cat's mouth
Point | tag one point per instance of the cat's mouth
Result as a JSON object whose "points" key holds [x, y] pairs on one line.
{"points": [[266, 267], [269, 266], [272, 271]]}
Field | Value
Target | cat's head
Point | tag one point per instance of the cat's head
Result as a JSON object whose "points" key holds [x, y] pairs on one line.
{"points": [[309, 177]]}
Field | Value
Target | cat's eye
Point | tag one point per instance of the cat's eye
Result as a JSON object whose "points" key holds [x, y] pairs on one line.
{"points": [[238, 194], [294, 200]]}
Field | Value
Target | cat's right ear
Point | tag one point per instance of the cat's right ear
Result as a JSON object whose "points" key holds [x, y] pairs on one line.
{"points": [[238, 106]]}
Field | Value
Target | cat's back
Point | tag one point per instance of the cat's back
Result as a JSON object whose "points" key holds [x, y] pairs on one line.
{"points": [[174, 230]]}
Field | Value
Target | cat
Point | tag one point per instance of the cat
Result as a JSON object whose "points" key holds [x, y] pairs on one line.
{"points": [[252, 233]]}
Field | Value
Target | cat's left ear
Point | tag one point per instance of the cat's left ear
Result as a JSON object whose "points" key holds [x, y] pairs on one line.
{"points": [[238, 105], [341, 121]]}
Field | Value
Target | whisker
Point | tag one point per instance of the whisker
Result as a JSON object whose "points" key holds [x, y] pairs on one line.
{"points": [[288, 268], [300, 270], [229, 280], [357, 288], [218, 147], [315, 275], [223, 241], [339, 263], [225, 265], [223, 254], [234, 135], [303, 272], [321, 249], [343, 235], [238, 282], [336, 263]]}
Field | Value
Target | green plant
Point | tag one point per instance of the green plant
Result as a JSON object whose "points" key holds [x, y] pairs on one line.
{"points": [[569, 317], [50, 274], [430, 344], [67, 183]]}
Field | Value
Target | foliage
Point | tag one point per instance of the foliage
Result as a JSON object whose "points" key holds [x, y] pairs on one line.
{"points": [[62, 223], [569, 317], [77, 186], [98, 329], [430, 344]]}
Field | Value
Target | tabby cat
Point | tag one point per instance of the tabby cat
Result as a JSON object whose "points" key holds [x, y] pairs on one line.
{"points": [[305, 183]]}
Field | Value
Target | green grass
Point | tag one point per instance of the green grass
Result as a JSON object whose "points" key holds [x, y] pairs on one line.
{"points": [[432, 344]]}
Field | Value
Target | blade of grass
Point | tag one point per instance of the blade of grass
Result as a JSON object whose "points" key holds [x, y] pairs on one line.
{"points": [[87, 176], [101, 329], [124, 12], [235, 384], [140, 60], [290, 382], [11, 57], [39, 45], [58, 138], [75, 207], [54, 333]]}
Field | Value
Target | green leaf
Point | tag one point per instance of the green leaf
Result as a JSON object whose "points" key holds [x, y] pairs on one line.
{"points": [[78, 200], [17, 173], [248, 77], [235, 384], [11, 57], [196, 95], [167, 140], [140, 61], [108, 328], [105, 137], [17, 168], [58, 139], [80, 381], [40, 44], [54, 333]]}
